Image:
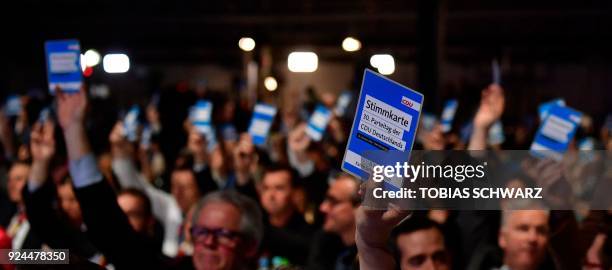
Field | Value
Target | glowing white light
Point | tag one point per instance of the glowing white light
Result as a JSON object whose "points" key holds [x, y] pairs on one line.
{"points": [[246, 44], [116, 63], [92, 58], [384, 63], [270, 83], [351, 44], [302, 61]]}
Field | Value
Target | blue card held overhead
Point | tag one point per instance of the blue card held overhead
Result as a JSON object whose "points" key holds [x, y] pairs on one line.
{"points": [[545, 107], [448, 114], [44, 115], [263, 116], [130, 124], [556, 132], [145, 139], [318, 122], [344, 100], [64, 65], [384, 127], [200, 116], [496, 70], [496, 134], [12, 106]]}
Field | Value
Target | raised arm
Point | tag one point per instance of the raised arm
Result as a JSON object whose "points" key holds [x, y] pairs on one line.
{"points": [[490, 110], [164, 206], [107, 225]]}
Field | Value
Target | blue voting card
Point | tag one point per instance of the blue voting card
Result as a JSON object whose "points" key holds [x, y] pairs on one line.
{"points": [[130, 124], [556, 132], [200, 116], [545, 107], [496, 133], [13, 105], [64, 65], [384, 127], [318, 122], [448, 114], [145, 139], [496, 70], [428, 121], [263, 117], [344, 100], [44, 115], [229, 133]]}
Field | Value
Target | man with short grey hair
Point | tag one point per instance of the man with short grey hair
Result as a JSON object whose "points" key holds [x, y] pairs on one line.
{"points": [[227, 230], [523, 237]]}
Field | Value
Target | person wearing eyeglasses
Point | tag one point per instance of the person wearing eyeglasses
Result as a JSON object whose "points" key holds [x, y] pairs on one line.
{"points": [[226, 232]]}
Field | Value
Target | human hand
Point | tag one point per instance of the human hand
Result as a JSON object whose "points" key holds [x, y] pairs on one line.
{"points": [[491, 107]]}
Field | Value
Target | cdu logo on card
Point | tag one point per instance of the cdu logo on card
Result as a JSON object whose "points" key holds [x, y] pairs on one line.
{"points": [[407, 102], [411, 103]]}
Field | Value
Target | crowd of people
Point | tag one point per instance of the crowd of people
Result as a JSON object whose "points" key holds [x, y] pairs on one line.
{"points": [[171, 199]]}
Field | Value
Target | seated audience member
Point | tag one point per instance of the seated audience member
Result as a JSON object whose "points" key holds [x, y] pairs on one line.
{"points": [[227, 230], [167, 207], [419, 243], [523, 237], [137, 207], [334, 247], [19, 227], [287, 233]]}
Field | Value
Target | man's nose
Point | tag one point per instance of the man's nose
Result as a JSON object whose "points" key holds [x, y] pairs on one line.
{"points": [[324, 207], [532, 235], [209, 240], [429, 265]]}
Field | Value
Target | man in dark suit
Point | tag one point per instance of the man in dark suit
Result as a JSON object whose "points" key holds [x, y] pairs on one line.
{"points": [[226, 228]]}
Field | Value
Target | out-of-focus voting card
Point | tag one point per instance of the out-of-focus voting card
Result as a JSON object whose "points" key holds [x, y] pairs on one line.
{"points": [[130, 124], [384, 127], [318, 122], [12, 107], [44, 115], [200, 116], [545, 107], [63, 59], [263, 117], [448, 114], [496, 134], [496, 70], [344, 100], [556, 132]]}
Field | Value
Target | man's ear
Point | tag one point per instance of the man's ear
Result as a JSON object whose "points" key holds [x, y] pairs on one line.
{"points": [[501, 238]]}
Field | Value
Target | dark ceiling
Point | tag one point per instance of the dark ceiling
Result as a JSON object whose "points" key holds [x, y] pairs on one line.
{"points": [[187, 32]]}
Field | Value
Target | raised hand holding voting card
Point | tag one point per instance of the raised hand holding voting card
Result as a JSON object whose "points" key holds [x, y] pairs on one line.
{"points": [[130, 124], [263, 116], [448, 114], [200, 116], [318, 122]]}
